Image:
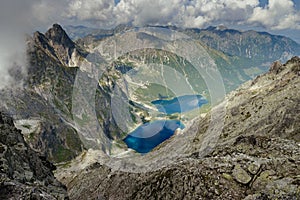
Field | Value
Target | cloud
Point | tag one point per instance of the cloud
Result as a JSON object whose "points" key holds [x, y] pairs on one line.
{"points": [[18, 18], [277, 15], [12, 41], [95, 10], [186, 13]]}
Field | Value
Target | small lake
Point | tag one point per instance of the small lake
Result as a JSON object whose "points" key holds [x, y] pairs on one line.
{"points": [[147, 136], [180, 104]]}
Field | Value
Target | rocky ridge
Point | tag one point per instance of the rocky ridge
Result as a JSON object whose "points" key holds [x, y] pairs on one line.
{"points": [[58, 45], [45, 101], [259, 47]]}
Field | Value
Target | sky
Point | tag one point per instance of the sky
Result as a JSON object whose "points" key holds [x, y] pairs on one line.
{"points": [[268, 15], [26, 16]]}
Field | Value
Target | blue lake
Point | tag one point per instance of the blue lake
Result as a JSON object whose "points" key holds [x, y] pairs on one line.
{"points": [[147, 136], [180, 104]]}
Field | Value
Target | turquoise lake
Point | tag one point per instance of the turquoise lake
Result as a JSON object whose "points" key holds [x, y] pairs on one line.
{"points": [[180, 104], [147, 136]]}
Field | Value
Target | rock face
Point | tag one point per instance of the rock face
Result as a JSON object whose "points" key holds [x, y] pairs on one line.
{"points": [[47, 95], [46, 132], [58, 44], [257, 155], [23, 173]]}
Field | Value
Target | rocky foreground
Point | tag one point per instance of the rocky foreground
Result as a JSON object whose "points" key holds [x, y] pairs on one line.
{"points": [[257, 155], [23, 173]]}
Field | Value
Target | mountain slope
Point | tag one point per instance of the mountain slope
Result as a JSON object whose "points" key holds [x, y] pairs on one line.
{"points": [[57, 43], [255, 156], [240, 55], [260, 47], [255, 153], [45, 101]]}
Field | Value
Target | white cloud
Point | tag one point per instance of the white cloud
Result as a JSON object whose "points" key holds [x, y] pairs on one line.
{"points": [[13, 15], [277, 15], [184, 13], [18, 18], [95, 9]]}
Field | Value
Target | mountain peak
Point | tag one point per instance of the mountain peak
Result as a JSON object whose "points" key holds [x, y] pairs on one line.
{"points": [[57, 43], [216, 28], [221, 27], [55, 29], [57, 35]]}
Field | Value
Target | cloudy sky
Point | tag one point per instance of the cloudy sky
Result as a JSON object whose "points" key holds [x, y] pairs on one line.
{"points": [[270, 15], [19, 17], [273, 14]]}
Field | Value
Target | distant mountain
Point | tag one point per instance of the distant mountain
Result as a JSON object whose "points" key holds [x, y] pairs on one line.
{"points": [[76, 32], [240, 55], [79, 32], [259, 47]]}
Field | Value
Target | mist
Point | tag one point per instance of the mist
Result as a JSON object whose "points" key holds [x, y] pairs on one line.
{"points": [[18, 19]]}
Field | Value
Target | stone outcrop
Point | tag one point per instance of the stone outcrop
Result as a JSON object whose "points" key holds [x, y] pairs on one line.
{"points": [[58, 45], [24, 174]]}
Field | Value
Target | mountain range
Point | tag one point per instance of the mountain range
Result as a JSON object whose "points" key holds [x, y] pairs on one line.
{"points": [[53, 65], [244, 145]]}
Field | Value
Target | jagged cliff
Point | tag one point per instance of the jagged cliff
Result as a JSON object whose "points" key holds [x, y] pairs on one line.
{"points": [[45, 101], [57, 44], [24, 174], [255, 156]]}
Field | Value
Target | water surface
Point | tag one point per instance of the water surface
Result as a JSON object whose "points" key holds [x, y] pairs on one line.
{"points": [[149, 135], [180, 104]]}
